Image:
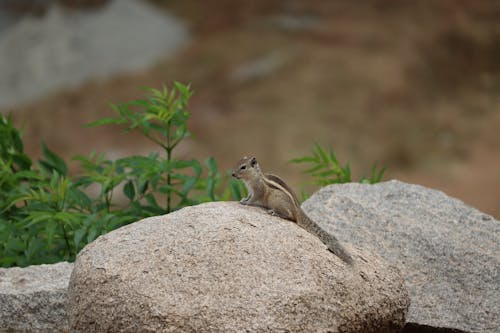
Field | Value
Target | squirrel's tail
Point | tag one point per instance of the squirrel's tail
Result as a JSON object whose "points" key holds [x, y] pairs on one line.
{"points": [[329, 240]]}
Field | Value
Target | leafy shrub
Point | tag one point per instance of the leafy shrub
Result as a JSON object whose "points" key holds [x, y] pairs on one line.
{"points": [[325, 169], [37, 206], [48, 216], [162, 119]]}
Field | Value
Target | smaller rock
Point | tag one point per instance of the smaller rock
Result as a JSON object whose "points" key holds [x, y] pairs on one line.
{"points": [[33, 299], [448, 252]]}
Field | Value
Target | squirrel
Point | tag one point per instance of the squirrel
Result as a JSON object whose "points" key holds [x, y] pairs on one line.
{"points": [[272, 193]]}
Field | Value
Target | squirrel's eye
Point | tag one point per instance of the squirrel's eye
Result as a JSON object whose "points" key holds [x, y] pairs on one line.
{"points": [[243, 167]]}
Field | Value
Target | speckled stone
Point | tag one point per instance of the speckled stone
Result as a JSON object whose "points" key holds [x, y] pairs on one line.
{"points": [[33, 299], [448, 252], [224, 267]]}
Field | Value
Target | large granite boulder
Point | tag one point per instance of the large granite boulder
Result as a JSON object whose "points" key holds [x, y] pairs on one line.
{"points": [[33, 299], [224, 267], [448, 252]]}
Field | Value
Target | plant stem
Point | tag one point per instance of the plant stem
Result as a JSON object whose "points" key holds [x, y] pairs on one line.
{"points": [[107, 200], [66, 239], [168, 149], [158, 142]]}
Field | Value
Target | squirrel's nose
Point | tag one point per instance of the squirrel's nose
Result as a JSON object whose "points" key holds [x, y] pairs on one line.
{"points": [[233, 174]]}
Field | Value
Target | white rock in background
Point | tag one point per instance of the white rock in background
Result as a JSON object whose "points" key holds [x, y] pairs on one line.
{"points": [[224, 267], [33, 299], [448, 252], [64, 48]]}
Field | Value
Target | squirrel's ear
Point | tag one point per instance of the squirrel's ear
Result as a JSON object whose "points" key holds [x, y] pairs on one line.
{"points": [[253, 161]]}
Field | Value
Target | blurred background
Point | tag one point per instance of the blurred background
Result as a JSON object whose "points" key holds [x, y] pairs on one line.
{"points": [[411, 85]]}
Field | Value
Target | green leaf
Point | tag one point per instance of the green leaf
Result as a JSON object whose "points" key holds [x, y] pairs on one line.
{"points": [[142, 186], [117, 221], [17, 141], [81, 199], [376, 176], [166, 189], [28, 175], [14, 244], [155, 181], [22, 160], [236, 187], [304, 195], [183, 89], [78, 236], [139, 102], [303, 159], [105, 121], [333, 158], [212, 165], [347, 173], [182, 164], [151, 200], [129, 190], [188, 185], [92, 234], [37, 217], [53, 162], [50, 229], [7, 261], [314, 168], [321, 153], [196, 165], [210, 189]]}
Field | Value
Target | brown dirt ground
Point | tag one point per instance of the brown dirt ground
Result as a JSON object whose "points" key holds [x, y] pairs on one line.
{"points": [[412, 85]]}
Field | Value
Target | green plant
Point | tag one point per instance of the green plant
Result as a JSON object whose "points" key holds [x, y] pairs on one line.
{"points": [[162, 118], [37, 205], [325, 169], [46, 215]]}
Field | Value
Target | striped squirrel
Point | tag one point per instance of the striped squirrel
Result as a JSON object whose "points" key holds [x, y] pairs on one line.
{"points": [[272, 193]]}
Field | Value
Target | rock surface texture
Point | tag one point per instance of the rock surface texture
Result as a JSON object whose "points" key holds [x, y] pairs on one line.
{"points": [[33, 299], [224, 267], [449, 253]]}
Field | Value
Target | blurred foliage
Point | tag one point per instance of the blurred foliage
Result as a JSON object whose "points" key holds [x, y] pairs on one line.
{"points": [[325, 169]]}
